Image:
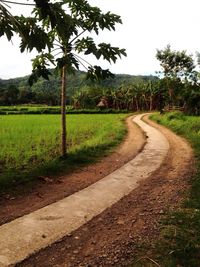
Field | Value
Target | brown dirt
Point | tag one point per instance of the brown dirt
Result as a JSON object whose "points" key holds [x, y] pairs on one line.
{"points": [[48, 190], [112, 238]]}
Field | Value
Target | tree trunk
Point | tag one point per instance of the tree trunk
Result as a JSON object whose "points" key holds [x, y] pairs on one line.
{"points": [[150, 102], [170, 92], [136, 102], [145, 107], [63, 114]]}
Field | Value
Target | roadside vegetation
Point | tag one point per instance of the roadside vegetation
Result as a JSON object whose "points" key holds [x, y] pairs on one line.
{"points": [[30, 144], [180, 235], [44, 109]]}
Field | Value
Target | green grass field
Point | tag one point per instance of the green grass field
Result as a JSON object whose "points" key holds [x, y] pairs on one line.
{"points": [[30, 144], [183, 248]]}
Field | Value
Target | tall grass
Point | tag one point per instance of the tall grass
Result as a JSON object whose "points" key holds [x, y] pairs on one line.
{"points": [[32, 142]]}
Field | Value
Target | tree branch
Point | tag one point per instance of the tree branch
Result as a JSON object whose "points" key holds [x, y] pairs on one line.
{"points": [[82, 59], [16, 3], [77, 36]]}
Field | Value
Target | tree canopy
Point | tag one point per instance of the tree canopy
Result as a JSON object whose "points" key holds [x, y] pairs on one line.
{"points": [[180, 78], [176, 64], [60, 30]]}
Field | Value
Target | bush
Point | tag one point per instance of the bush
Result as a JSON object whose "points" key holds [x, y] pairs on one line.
{"points": [[176, 115]]}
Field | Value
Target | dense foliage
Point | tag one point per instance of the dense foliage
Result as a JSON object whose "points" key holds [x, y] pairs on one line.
{"points": [[181, 79], [123, 92], [17, 91]]}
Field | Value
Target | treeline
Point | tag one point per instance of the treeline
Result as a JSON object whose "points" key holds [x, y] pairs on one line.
{"points": [[158, 94], [178, 87], [17, 91], [131, 94]]}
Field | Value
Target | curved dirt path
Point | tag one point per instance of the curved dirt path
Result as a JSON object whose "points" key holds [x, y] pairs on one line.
{"points": [[92, 246], [47, 225]]}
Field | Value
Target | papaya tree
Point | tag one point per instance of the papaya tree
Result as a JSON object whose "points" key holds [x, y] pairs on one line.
{"points": [[62, 32]]}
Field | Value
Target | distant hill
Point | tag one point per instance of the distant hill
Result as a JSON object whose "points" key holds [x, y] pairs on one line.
{"points": [[49, 91]]}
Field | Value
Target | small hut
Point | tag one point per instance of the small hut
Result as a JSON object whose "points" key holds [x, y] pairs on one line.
{"points": [[103, 103]]}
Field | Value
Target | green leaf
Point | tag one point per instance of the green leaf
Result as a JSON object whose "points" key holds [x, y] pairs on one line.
{"points": [[96, 73], [69, 61]]}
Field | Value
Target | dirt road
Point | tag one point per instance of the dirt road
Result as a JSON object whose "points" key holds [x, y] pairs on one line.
{"points": [[111, 238]]}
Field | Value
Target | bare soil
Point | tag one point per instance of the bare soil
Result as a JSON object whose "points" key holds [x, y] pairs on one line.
{"points": [[112, 238]]}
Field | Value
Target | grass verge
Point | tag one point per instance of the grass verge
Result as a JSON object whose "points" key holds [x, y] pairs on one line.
{"points": [[179, 241]]}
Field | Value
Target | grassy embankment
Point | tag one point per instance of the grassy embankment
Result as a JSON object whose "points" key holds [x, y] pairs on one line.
{"points": [[179, 243], [30, 144], [44, 109]]}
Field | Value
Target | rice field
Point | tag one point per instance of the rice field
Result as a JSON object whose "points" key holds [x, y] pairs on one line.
{"points": [[28, 141]]}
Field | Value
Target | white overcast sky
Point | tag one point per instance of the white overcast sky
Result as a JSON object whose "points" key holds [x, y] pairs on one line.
{"points": [[147, 26]]}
